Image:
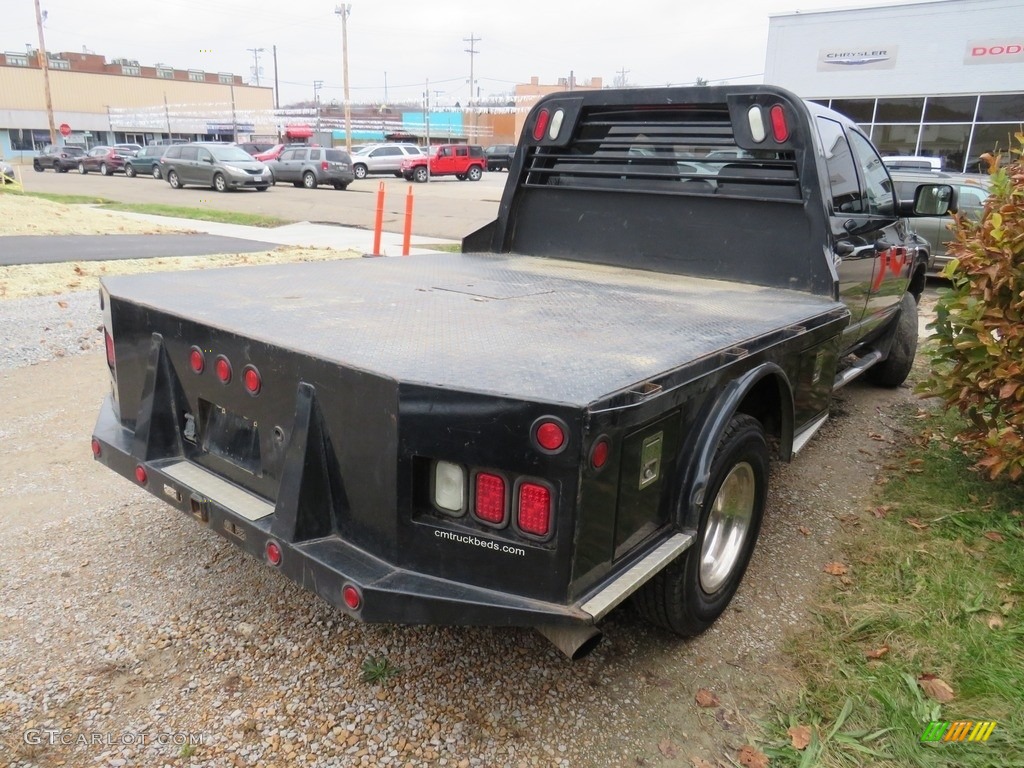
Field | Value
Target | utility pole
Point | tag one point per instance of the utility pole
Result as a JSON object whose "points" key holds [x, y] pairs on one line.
{"points": [[385, 88], [277, 90], [344, 11], [472, 51], [256, 62], [426, 123], [44, 62], [620, 81], [234, 118], [317, 85]]}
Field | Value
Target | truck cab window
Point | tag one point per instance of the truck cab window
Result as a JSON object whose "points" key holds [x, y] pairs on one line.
{"points": [[842, 171], [878, 185]]}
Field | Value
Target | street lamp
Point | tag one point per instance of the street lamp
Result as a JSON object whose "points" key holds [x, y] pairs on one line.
{"points": [[344, 11]]}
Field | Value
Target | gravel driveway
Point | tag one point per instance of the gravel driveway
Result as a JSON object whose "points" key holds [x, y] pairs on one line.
{"points": [[129, 635]]}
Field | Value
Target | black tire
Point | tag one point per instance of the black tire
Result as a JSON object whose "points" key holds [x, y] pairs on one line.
{"points": [[695, 589], [460, 176], [104, 169], [474, 173], [129, 170], [297, 184], [174, 181], [219, 182], [894, 370], [398, 174], [359, 170], [37, 166], [60, 168], [81, 169], [420, 173], [262, 189], [156, 172], [340, 186], [309, 180]]}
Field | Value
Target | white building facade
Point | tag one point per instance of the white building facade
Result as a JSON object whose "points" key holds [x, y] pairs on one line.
{"points": [[943, 78]]}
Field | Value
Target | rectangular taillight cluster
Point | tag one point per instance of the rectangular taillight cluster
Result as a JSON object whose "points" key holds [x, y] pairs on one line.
{"points": [[491, 498]]}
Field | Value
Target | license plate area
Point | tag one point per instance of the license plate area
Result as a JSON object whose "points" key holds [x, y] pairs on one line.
{"points": [[230, 436]]}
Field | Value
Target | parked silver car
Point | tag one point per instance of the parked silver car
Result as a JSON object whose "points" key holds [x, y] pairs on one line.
{"points": [[971, 193], [210, 164], [382, 158]]}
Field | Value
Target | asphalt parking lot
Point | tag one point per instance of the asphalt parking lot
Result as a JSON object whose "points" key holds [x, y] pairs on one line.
{"points": [[444, 207]]}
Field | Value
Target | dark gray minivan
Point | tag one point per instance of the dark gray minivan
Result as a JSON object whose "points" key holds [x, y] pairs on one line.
{"points": [[212, 164]]}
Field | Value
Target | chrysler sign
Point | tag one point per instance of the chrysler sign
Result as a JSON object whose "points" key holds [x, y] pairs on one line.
{"points": [[995, 51], [857, 58]]}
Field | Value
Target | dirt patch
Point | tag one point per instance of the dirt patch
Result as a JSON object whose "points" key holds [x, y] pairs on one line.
{"points": [[27, 215]]}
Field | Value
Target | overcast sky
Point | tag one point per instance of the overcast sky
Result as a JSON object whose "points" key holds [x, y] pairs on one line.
{"points": [[655, 42]]}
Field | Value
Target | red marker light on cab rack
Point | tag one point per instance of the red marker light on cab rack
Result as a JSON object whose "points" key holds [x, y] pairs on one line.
{"points": [[541, 125], [108, 342], [274, 553], [550, 435], [780, 130], [600, 452], [534, 513], [141, 476]]}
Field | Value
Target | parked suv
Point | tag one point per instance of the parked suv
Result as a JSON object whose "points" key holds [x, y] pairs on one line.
{"points": [[383, 158], [147, 161], [310, 167], [463, 161], [211, 164], [106, 160], [61, 159], [971, 192], [499, 156]]}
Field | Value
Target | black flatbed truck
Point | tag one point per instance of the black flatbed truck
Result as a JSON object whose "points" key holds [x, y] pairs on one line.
{"points": [[579, 408]]}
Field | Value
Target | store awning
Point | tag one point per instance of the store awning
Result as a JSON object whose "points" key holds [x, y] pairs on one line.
{"points": [[298, 131]]}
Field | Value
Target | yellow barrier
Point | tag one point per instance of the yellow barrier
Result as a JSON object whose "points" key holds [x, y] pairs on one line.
{"points": [[15, 183]]}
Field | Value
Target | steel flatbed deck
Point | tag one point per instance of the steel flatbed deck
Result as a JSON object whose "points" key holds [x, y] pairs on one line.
{"points": [[533, 328]]}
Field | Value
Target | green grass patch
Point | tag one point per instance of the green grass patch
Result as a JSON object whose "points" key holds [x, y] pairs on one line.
{"points": [[202, 214], [445, 247], [66, 199], [935, 587]]}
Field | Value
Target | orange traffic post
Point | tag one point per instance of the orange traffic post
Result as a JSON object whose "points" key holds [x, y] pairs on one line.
{"points": [[407, 231], [378, 224]]}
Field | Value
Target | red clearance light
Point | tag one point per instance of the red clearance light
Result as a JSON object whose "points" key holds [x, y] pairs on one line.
{"points": [[108, 342], [97, 449], [140, 474], [534, 514], [274, 554], [599, 453], [223, 369], [550, 435], [541, 125], [196, 360], [489, 503], [252, 381], [780, 131], [351, 597]]}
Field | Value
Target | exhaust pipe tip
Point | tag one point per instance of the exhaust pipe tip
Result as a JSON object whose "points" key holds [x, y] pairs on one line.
{"points": [[574, 642]]}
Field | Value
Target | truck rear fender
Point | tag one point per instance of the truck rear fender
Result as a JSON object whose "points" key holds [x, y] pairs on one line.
{"points": [[763, 392]]}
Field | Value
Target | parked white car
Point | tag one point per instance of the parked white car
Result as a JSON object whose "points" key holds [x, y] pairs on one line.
{"points": [[382, 158]]}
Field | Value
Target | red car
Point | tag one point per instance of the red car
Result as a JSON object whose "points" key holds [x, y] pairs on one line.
{"points": [[463, 161], [106, 160]]}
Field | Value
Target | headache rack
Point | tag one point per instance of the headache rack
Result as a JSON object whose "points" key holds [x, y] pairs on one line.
{"points": [[668, 149]]}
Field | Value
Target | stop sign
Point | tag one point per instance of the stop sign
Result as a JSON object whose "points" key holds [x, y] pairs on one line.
{"points": [[65, 130]]}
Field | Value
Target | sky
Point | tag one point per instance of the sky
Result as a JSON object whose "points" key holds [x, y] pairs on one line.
{"points": [[404, 45]]}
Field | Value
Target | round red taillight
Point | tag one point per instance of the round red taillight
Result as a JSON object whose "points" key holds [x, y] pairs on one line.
{"points": [[97, 449], [550, 435], [196, 360], [274, 553], [599, 453], [351, 597], [252, 381], [141, 475], [223, 369]]}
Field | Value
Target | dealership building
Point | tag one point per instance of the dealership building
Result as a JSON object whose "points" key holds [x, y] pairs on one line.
{"points": [[943, 78]]}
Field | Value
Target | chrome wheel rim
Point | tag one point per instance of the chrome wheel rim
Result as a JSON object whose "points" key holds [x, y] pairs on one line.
{"points": [[727, 527]]}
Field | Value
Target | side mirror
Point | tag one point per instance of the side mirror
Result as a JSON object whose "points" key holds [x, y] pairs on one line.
{"points": [[934, 200]]}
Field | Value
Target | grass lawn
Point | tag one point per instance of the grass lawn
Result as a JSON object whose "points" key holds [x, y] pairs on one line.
{"points": [[925, 624]]}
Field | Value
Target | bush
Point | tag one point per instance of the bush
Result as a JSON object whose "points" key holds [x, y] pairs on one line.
{"points": [[977, 366]]}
